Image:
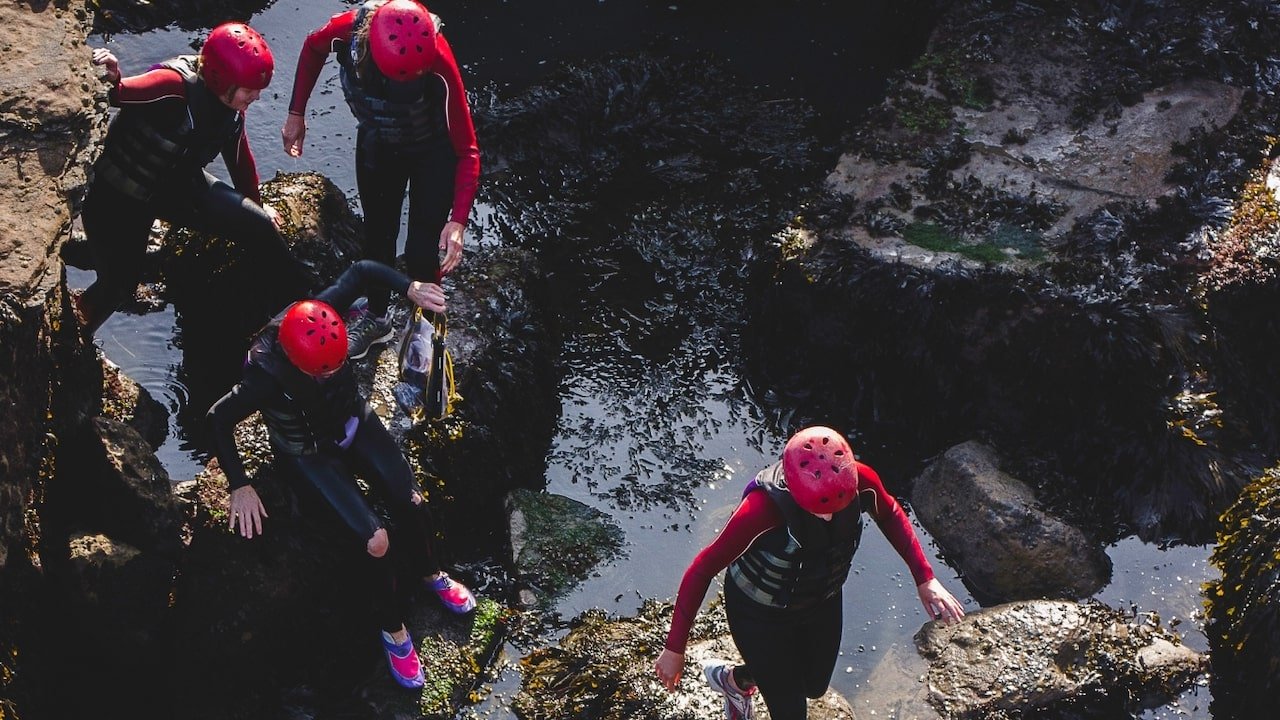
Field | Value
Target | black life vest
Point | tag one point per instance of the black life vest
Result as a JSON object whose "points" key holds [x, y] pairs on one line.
{"points": [[803, 562], [315, 413], [410, 115], [149, 146]]}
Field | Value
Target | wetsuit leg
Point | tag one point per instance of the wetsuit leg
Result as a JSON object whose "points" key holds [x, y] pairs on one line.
{"points": [[776, 647], [430, 202], [381, 178], [217, 208], [821, 632], [326, 479], [116, 227], [382, 464]]}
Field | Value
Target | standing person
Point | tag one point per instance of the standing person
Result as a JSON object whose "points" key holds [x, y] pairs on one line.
{"points": [[321, 431], [414, 131], [788, 548], [173, 120]]}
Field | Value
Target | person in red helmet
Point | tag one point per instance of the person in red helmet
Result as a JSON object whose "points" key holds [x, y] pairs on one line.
{"points": [[173, 120], [414, 135], [788, 548], [321, 430]]}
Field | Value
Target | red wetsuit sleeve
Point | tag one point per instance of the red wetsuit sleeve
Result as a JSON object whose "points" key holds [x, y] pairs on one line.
{"points": [[149, 87], [756, 515], [315, 50], [241, 165], [893, 522], [462, 134]]}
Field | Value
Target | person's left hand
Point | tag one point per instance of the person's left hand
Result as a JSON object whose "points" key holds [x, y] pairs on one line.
{"points": [[939, 603], [428, 296], [273, 214], [451, 246]]}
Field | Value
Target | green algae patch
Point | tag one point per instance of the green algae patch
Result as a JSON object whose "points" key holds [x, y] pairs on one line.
{"points": [[453, 666]]}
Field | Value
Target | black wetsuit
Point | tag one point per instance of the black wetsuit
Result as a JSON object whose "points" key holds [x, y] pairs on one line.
{"points": [[306, 420]]}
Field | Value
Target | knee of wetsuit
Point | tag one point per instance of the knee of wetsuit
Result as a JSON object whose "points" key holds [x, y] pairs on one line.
{"points": [[378, 544]]}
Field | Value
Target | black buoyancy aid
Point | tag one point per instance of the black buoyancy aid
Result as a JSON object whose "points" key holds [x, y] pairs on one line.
{"points": [[803, 562], [148, 146], [410, 115], [316, 412]]}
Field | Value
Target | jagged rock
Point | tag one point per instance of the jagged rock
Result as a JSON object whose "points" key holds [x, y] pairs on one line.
{"points": [[603, 670], [995, 532], [557, 541], [109, 480], [1244, 603], [125, 400]]}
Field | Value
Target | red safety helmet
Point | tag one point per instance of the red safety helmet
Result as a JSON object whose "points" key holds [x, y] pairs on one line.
{"points": [[402, 39], [235, 55], [314, 337], [819, 469]]}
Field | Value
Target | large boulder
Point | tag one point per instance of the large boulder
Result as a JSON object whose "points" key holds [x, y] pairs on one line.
{"points": [[1042, 658], [995, 532]]}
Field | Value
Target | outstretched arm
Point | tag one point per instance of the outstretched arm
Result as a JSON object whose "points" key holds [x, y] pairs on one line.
{"points": [[756, 515], [366, 274]]}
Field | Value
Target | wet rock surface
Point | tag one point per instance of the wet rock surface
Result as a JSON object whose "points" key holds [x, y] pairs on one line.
{"points": [[1005, 546], [130, 403]]}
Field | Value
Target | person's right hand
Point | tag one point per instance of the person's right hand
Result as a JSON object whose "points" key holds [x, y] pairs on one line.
{"points": [[670, 666], [293, 133], [246, 510], [105, 58], [428, 296]]}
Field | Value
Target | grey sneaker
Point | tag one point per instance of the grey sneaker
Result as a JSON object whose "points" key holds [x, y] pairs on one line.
{"points": [[737, 704], [365, 332]]}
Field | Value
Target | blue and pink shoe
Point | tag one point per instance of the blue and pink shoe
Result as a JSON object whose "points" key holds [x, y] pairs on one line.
{"points": [[406, 667], [453, 594]]}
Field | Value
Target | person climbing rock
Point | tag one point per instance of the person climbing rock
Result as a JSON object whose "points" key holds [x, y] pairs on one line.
{"points": [[173, 120], [414, 135], [322, 432], [788, 548]]}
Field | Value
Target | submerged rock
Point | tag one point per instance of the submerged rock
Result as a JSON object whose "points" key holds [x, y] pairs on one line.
{"points": [[127, 401], [995, 533], [557, 541]]}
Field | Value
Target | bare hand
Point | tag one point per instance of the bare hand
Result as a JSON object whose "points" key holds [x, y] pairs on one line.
{"points": [[293, 133], [247, 510], [938, 603], [451, 246], [670, 666], [273, 214], [428, 296], [105, 58]]}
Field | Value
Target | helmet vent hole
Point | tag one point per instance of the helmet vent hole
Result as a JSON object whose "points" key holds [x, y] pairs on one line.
{"points": [[838, 453], [826, 440], [393, 37]]}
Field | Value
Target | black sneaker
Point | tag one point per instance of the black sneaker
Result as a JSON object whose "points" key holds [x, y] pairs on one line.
{"points": [[365, 332]]}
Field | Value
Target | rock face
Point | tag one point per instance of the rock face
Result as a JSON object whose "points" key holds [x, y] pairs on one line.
{"points": [[1017, 245], [1244, 605], [994, 530], [49, 123]]}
